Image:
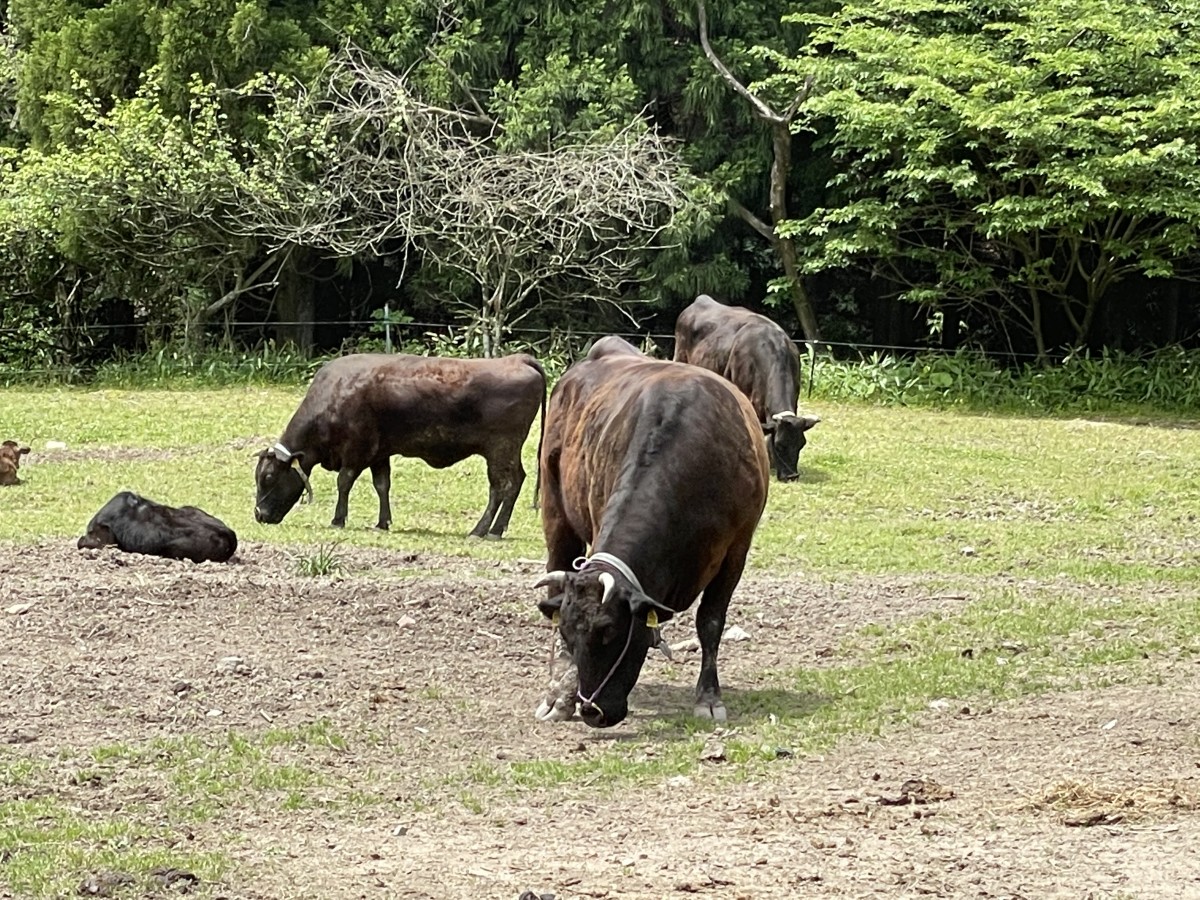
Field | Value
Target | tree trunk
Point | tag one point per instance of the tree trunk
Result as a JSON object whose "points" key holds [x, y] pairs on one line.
{"points": [[491, 321], [296, 304], [781, 165], [1039, 339]]}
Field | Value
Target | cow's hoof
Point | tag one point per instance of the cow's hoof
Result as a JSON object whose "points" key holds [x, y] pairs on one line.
{"points": [[492, 537], [714, 710], [474, 537], [383, 526], [336, 524]]}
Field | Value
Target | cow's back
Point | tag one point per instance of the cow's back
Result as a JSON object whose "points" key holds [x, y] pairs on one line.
{"points": [[367, 406], [743, 346], [672, 452]]}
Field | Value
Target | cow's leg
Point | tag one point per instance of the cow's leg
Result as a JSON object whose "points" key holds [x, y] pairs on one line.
{"points": [[481, 527], [345, 481], [381, 476], [508, 487], [710, 625], [494, 504]]}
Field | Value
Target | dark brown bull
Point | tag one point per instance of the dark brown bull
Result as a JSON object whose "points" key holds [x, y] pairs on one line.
{"points": [[10, 462], [361, 410], [662, 470], [759, 357], [138, 525]]}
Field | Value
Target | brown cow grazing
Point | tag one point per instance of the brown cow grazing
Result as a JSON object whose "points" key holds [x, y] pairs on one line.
{"points": [[662, 470], [138, 525], [759, 357], [361, 410], [10, 462]]}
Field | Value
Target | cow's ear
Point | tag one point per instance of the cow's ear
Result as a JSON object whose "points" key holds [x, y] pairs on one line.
{"points": [[807, 422], [649, 610], [23, 451], [769, 426]]}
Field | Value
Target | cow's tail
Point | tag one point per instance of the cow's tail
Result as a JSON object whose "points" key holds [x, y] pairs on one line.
{"points": [[537, 481]]}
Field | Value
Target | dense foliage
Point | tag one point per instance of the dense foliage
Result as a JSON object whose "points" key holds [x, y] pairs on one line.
{"points": [[1018, 163], [1014, 177]]}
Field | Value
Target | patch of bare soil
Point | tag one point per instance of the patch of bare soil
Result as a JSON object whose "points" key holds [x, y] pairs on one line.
{"points": [[430, 666]]}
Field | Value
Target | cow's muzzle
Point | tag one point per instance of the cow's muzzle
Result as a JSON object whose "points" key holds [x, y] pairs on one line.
{"points": [[592, 715]]}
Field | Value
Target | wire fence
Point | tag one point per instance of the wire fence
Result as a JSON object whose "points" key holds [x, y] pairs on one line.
{"points": [[374, 329]]}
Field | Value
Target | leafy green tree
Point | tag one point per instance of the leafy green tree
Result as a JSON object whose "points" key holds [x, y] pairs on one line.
{"points": [[523, 77], [111, 46], [1020, 157], [139, 210]]}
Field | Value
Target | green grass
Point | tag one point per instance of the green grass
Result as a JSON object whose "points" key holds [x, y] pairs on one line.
{"points": [[48, 847], [48, 844], [882, 490], [903, 491], [323, 561]]}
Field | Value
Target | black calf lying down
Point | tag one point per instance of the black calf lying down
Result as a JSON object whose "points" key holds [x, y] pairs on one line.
{"points": [[138, 525]]}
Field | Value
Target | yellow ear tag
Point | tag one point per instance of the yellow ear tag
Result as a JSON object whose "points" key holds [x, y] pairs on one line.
{"points": [[652, 619], [295, 463], [555, 619]]}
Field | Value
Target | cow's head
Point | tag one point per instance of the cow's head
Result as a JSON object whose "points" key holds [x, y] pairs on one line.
{"points": [[280, 481], [607, 626], [785, 433], [10, 461]]}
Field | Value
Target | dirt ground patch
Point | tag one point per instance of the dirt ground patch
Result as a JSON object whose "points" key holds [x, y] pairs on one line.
{"points": [[430, 667]]}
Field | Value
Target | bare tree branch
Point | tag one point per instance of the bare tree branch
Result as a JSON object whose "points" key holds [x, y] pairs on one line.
{"points": [[363, 165], [761, 109], [752, 220]]}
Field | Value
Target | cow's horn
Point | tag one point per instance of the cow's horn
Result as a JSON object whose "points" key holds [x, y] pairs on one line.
{"points": [[780, 416], [308, 491], [282, 453], [556, 580], [609, 583]]}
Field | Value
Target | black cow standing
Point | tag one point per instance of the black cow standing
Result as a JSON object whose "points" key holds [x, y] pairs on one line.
{"points": [[362, 409], [137, 525], [662, 470], [758, 356]]}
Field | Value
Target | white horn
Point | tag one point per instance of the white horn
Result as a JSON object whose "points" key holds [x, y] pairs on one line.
{"points": [[780, 416], [556, 580], [609, 583]]}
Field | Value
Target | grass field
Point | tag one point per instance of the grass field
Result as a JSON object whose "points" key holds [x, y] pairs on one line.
{"points": [[1076, 541], [882, 490]]}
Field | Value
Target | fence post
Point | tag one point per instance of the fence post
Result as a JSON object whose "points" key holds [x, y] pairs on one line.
{"points": [[387, 328]]}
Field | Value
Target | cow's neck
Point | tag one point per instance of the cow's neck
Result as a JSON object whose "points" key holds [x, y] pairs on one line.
{"points": [[297, 438], [639, 552], [779, 394], [607, 560]]}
